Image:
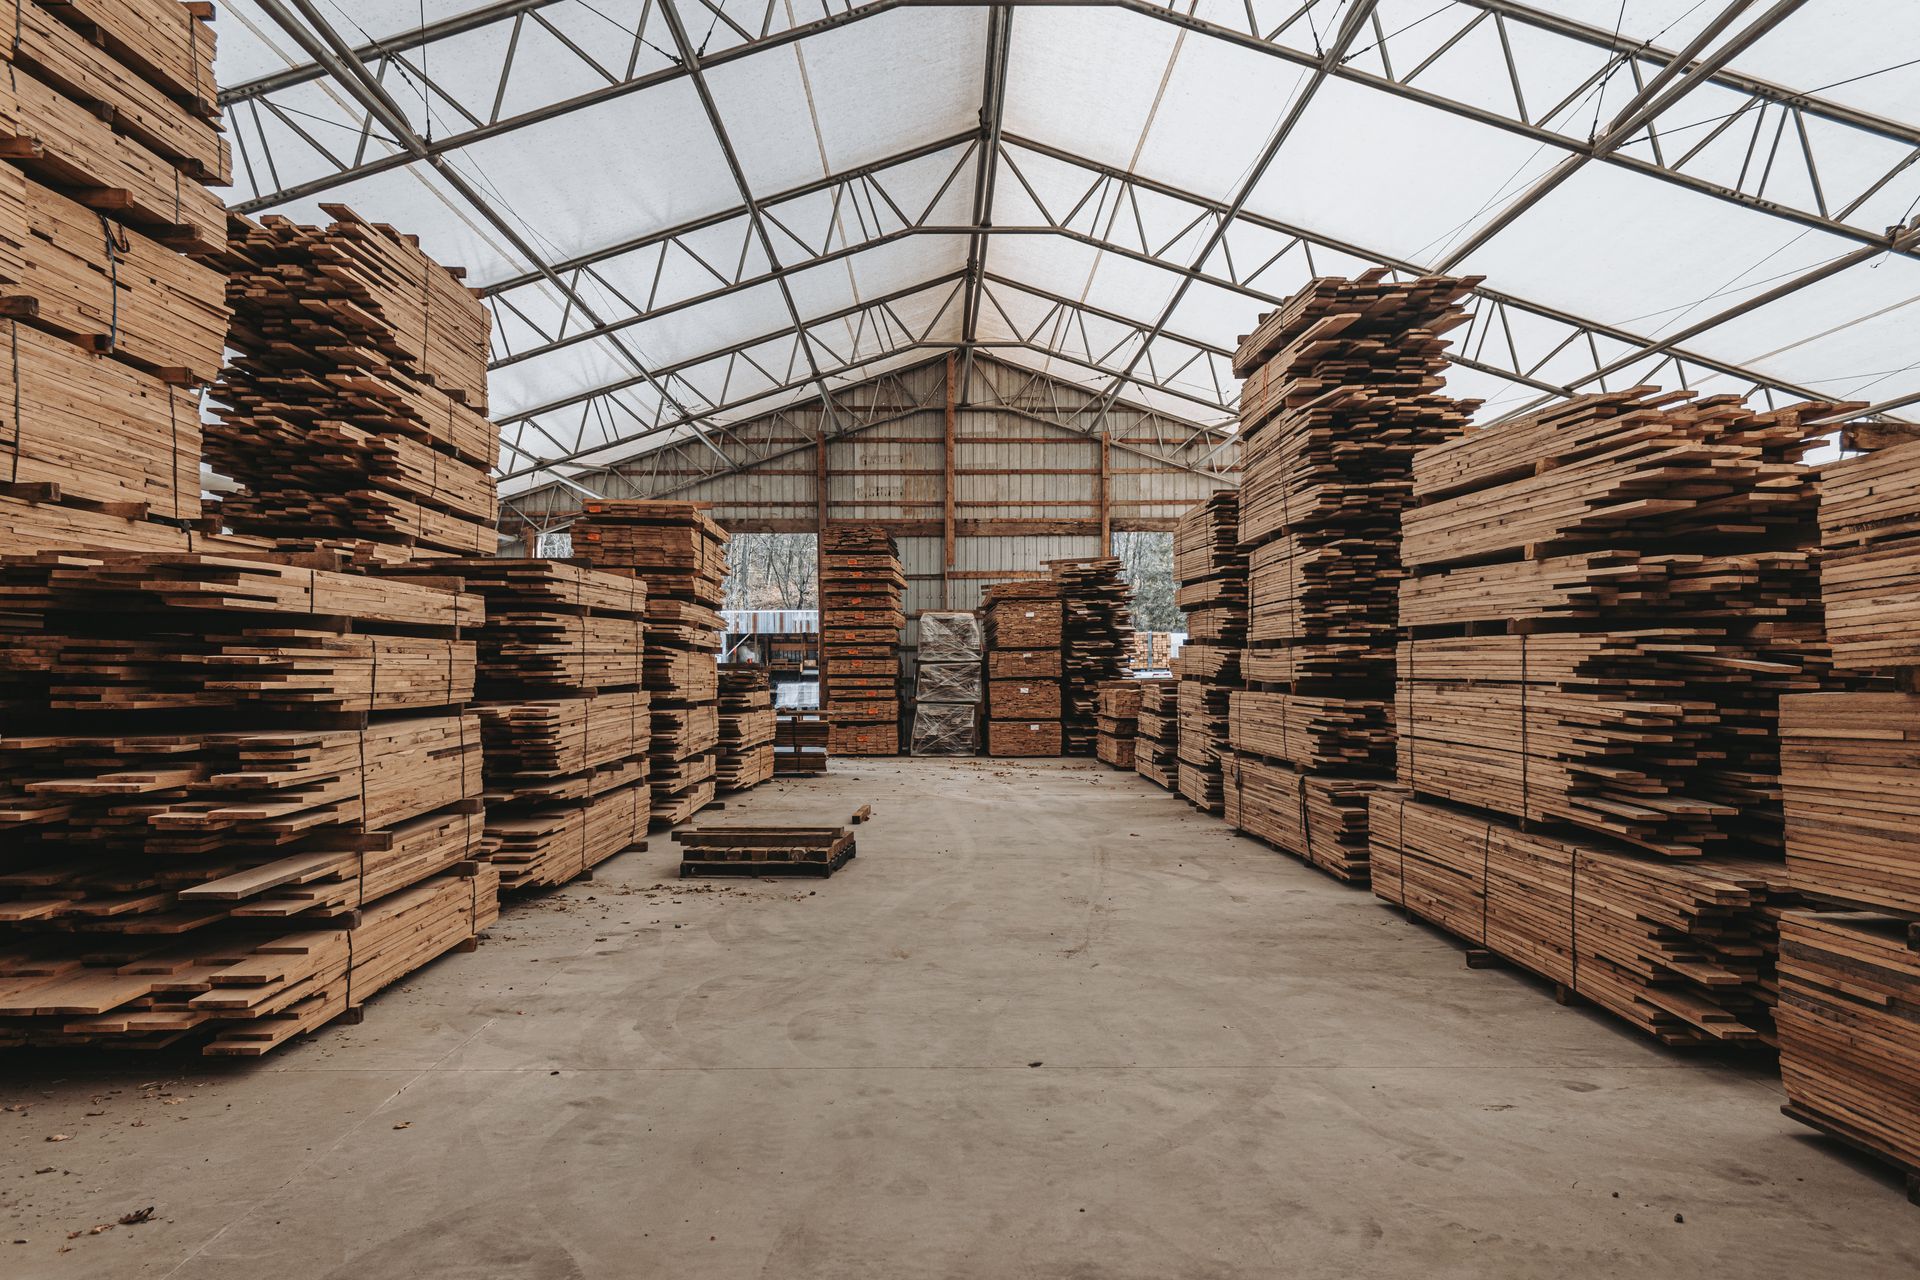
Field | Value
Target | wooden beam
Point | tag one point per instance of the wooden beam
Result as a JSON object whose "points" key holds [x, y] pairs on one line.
{"points": [[1106, 496]]}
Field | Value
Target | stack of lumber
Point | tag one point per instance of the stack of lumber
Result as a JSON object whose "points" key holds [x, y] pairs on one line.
{"points": [[764, 851], [565, 723], [746, 728], [1152, 651], [1025, 674], [115, 306], [213, 760], [1156, 733], [681, 554], [1342, 389], [1671, 947], [1613, 595], [1119, 715], [862, 594], [355, 408], [1096, 633], [948, 690], [1212, 577], [1849, 1015], [800, 744]]}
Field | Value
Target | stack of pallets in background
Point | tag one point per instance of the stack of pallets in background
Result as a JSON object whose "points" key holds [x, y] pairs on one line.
{"points": [[563, 717], [800, 744], [862, 589], [1024, 674], [681, 554], [240, 796], [947, 686], [1156, 736], [1151, 651], [1119, 717], [746, 727], [1212, 574], [115, 304], [355, 409], [1096, 634], [1849, 1014], [1340, 392], [1610, 597]]}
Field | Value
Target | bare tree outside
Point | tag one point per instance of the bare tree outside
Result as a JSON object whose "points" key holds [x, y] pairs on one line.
{"points": [[1147, 562], [771, 571]]}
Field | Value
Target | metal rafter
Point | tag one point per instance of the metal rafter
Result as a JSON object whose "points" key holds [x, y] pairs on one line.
{"points": [[993, 103]]}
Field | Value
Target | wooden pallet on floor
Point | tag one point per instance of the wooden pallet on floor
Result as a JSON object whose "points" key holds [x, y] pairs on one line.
{"points": [[764, 850]]}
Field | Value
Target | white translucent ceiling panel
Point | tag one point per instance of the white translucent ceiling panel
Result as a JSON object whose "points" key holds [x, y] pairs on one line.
{"points": [[1668, 23], [643, 161], [1215, 316], [556, 376], [1426, 178], [1644, 255], [1848, 337], [418, 202], [1846, 51], [1086, 78], [1081, 273], [932, 189], [1217, 112]]}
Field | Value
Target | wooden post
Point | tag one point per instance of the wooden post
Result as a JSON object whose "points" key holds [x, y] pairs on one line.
{"points": [[1106, 497], [819, 552], [946, 561]]}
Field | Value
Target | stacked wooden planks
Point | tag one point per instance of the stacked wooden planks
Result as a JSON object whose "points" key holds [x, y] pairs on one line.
{"points": [[565, 722], [764, 851], [1156, 737], [948, 689], [241, 794], [355, 407], [862, 593], [112, 298], [1025, 629], [1342, 387], [1849, 1014], [1212, 573], [800, 744], [746, 728], [1611, 598], [680, 553], [1096, 634], [1119, 715]]}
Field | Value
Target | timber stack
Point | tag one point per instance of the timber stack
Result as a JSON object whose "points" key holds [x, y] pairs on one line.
{"points": [[1849, 1014], [242, 796], [114, 297], [1156, 733], [948, 690], [355, 412], [800, 744], [746, 727], [564, 720], [1095, 638], [681, 554], [1025, 627], [1212, 577], [862, 595], [1119, 717], [1341, 389], [1609, 600]]}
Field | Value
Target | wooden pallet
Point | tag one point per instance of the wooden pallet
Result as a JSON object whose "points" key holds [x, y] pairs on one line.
{"points": [[764, 850]]}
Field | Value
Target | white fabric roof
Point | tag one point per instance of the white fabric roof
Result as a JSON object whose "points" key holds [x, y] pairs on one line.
{"points": [[694, 176]]}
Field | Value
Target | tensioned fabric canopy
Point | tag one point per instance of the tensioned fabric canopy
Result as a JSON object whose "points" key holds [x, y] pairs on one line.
{"points": [[688, 212]]}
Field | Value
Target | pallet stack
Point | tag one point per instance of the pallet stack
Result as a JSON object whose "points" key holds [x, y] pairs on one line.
{"points": [[1610, 599], [1096, 636], [564, 720], [1340, 392], [241, 796], [1156, 733], [862, 593], [746, 727], [800, 744], [114, 301], [1849, 1014], [1212, 577], [681, 554], [1025, 626], [1119, 718], [355, 409], [948, 690]]}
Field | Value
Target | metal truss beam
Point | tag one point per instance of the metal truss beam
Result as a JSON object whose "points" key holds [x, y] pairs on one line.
{"points": [[993, 102], [251, 107]]}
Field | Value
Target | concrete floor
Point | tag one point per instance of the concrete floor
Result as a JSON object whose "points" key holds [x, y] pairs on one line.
{"points": [[1051, 1023]]}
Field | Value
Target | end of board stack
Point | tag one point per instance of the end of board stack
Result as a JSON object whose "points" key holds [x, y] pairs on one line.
{"points": [[1212, 577], [1119, 716], [1025, 623], [862, 601], [1156, 733], [746, 727]]}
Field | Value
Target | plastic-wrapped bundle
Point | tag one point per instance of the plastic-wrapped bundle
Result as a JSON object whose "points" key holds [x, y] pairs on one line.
{"points": [[950, 637], [945, 730], [948, 682]]}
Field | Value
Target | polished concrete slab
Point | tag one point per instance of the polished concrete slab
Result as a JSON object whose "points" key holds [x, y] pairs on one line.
{"points": [[1050, 1023]]}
